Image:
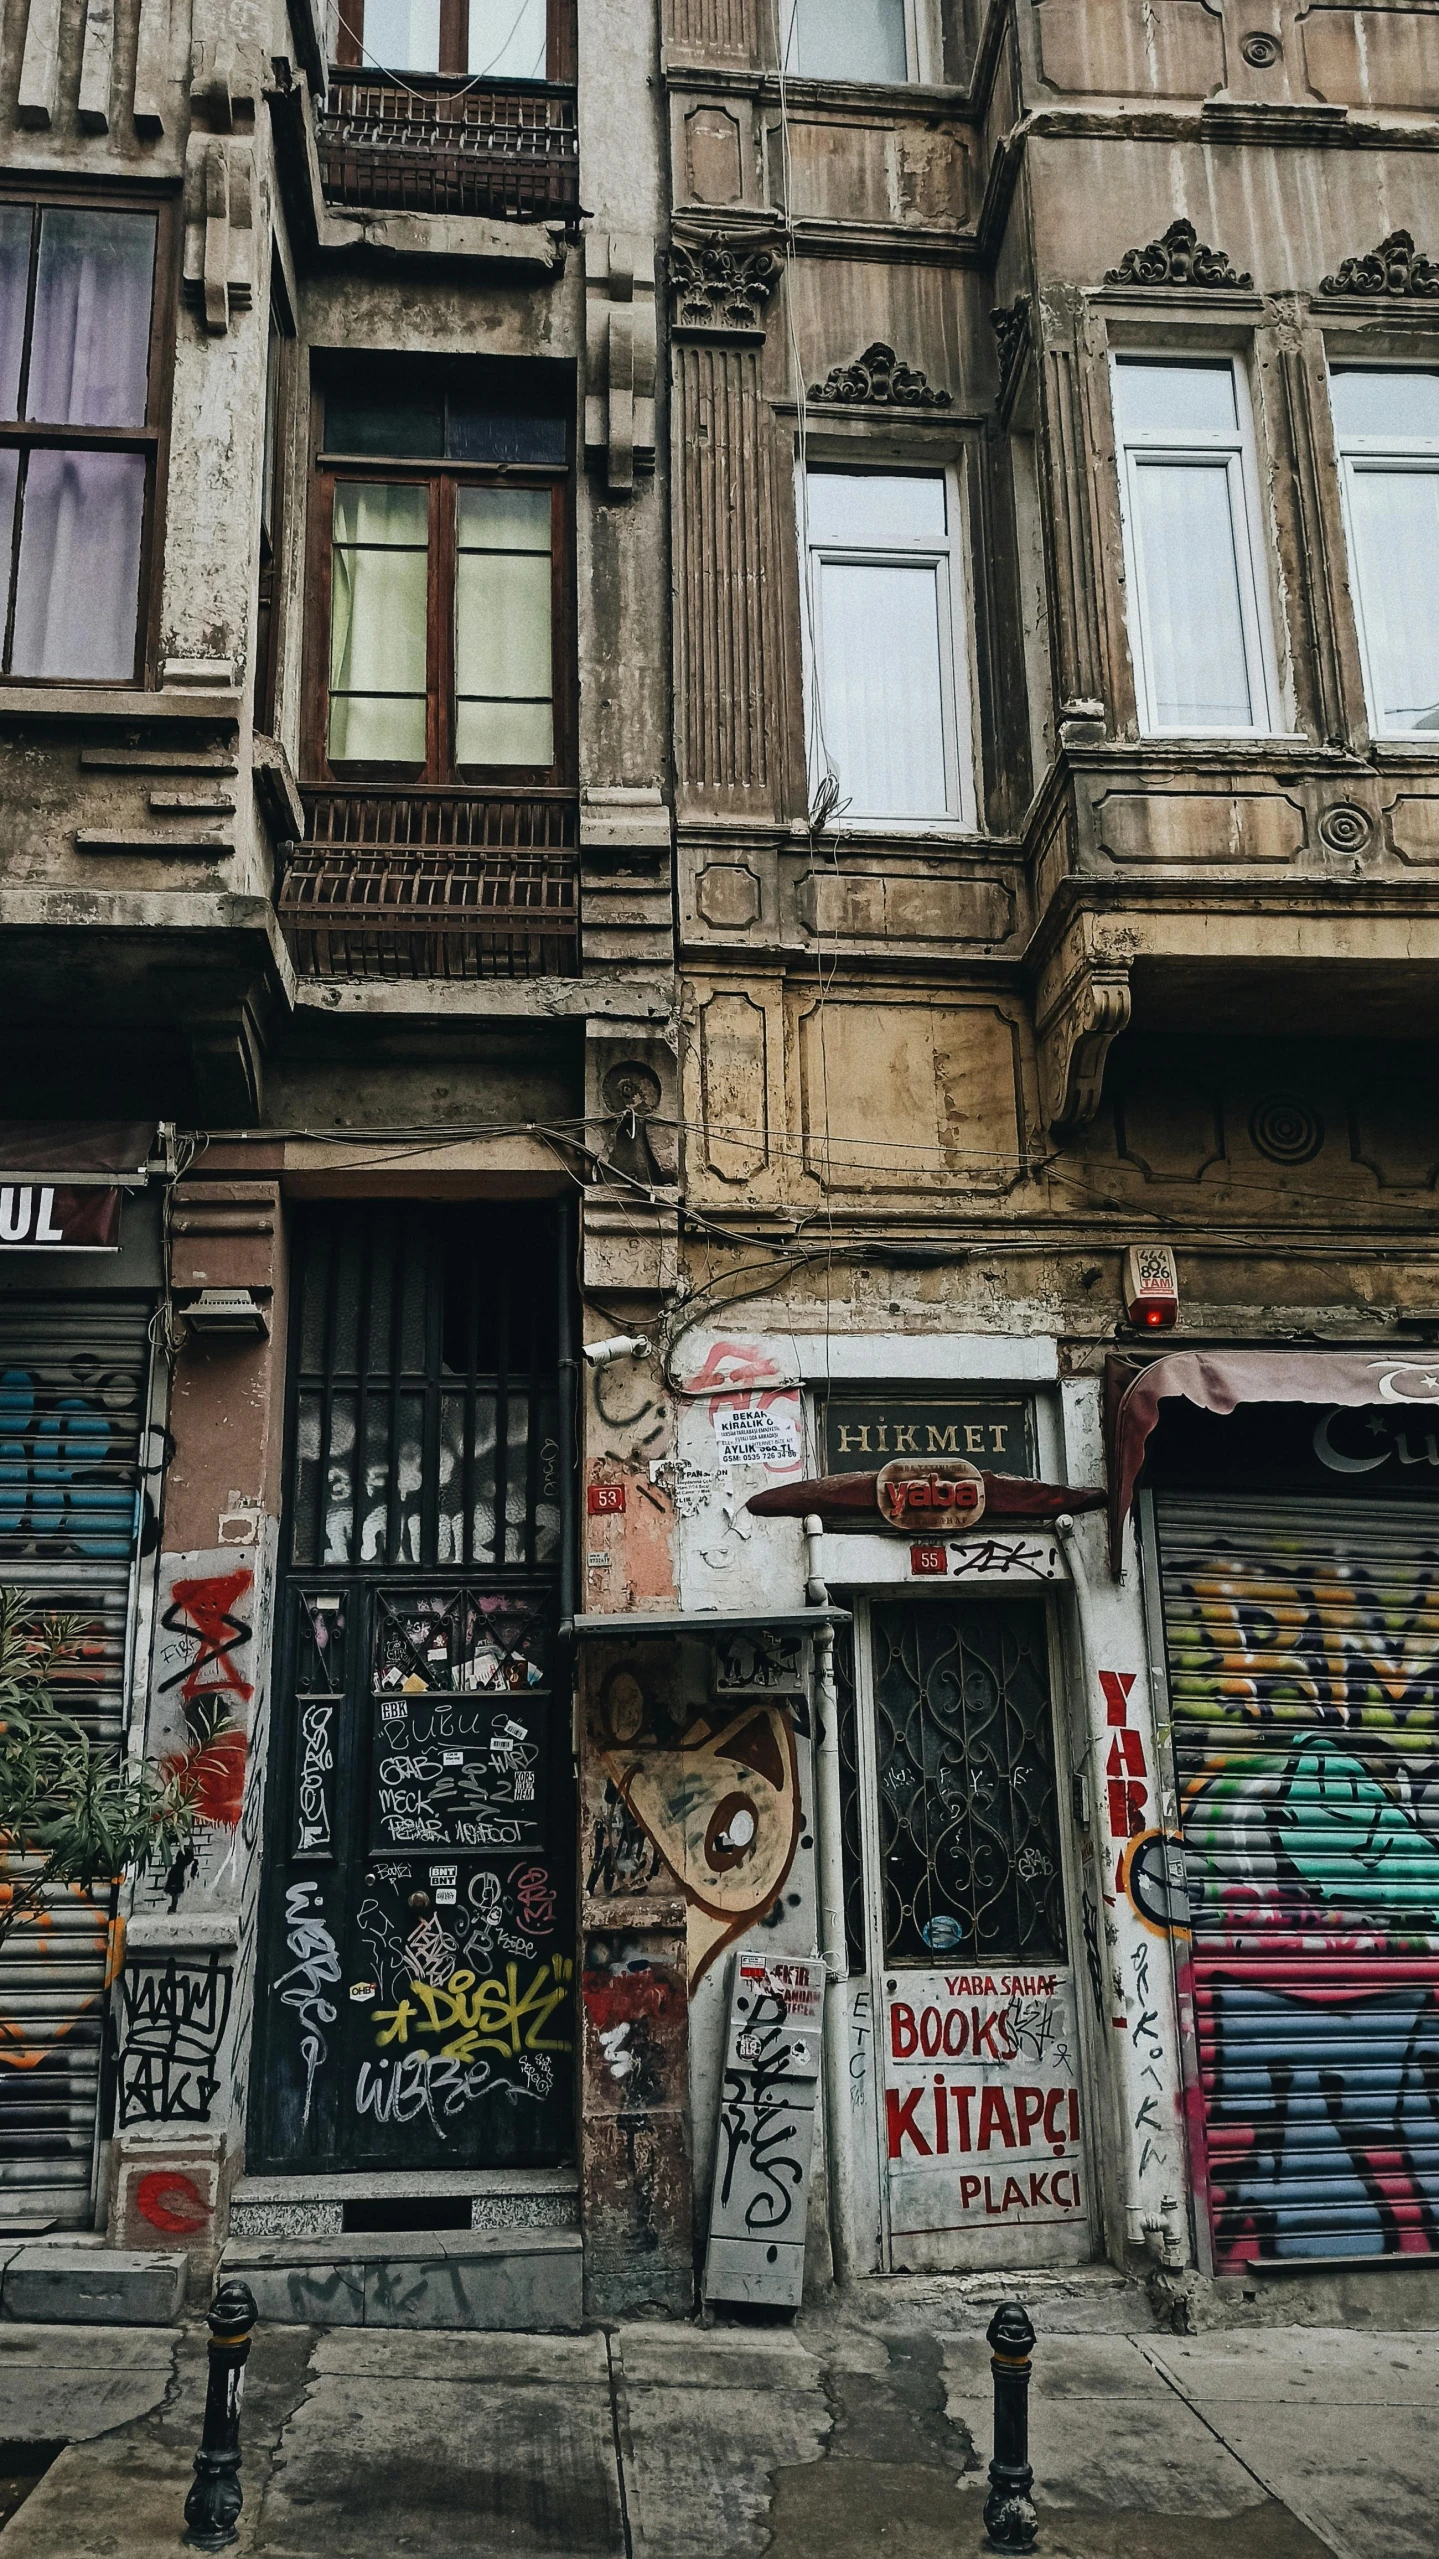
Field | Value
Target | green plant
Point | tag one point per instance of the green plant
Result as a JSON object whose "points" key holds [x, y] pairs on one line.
{"points": [[73, 1811]]}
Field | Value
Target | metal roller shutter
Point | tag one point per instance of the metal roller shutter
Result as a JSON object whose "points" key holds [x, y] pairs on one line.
{"points": [[74, 1378], [1303, 1651]]}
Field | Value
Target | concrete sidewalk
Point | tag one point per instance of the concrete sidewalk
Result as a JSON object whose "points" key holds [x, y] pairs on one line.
{"points": [[862, 2430]]}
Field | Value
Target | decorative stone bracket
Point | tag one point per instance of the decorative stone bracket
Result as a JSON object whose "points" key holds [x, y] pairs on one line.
{"points": [[619, 355], [1083, 1003], [1011, 327], [219, 217], [219, 89]]}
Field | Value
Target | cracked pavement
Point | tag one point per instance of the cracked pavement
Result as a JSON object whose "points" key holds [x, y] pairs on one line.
{"points": [[863, 2428]]}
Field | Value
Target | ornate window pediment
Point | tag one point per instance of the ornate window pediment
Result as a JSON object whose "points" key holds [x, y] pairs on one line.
{"points": [[1179, 258], [1395, 270], [878, 379]]}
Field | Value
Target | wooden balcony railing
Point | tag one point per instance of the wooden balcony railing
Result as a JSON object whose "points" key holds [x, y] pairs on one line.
{"points": [[510, 150], [434, 884]]}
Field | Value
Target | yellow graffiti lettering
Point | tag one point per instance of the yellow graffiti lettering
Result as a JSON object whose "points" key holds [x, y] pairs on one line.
{"points": [[395, 2021], [489, 2016]]}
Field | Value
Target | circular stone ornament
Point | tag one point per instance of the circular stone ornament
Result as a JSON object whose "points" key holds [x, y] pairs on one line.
{"points": [[1286, 1129]]}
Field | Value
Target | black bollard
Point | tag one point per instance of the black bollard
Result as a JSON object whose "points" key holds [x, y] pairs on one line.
{"points": [[1009, 2517], [212, 2508]]}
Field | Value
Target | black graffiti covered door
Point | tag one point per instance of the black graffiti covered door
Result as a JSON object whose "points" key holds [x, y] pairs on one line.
{"points": [[416, 2004], [981, 2131], [1302, 1640]]}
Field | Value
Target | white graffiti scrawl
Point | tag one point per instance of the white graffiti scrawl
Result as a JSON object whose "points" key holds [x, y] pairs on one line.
{"points": [[316, 1964]]}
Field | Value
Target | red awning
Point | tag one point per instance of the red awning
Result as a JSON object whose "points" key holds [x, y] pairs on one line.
{"points": [[1219, 1381], [841, 1496], [62, 1181], [77, 1152]]}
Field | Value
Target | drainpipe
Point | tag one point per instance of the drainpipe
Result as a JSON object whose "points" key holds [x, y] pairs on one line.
{"points": [[1066, 1530], [833, 1946]]}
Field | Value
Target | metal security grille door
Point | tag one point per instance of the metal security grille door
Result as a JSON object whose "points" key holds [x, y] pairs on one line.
{"points": [[1303, 1651], [74, 1381], [416, 2008], [981, 2130], [966, 1783]]}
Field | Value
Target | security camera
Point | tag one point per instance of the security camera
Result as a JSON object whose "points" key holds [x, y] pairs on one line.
{"points": [[618, 1346]]}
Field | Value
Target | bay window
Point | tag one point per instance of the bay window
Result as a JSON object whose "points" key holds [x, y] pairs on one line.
{"points": [[1387, 430], [1198, 620], [78, 437], [441, 649], [873, 40]]}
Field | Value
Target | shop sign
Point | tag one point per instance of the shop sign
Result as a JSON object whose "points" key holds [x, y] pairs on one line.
{"points": [[863, 1431], [46, 1217], [982, 2111], [934, 1494]]}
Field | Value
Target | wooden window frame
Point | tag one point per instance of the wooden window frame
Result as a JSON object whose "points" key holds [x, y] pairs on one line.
{"points": [[269, 582], [442, 479], [152, 439], [455, 45]]}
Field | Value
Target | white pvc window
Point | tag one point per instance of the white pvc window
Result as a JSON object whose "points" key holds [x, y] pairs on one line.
{"points": [[874, 40], [1197, 618], [1387, 427], [885, 662]]}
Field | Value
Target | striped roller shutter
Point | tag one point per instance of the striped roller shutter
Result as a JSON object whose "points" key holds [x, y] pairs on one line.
{"points": [[1303, 1649], [73, 1385]]}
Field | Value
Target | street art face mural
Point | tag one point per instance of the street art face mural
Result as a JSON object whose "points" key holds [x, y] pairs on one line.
{"points": [[1306, 1718], [712, 1797]]}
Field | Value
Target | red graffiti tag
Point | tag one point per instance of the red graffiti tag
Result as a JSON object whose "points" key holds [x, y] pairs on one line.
{"points": [[204, 1611], [212, 1774], [171, 2202], [1116, 1685], [1126, 1776]]}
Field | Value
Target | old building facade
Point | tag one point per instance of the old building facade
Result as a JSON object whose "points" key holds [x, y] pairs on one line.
{"points": [[716, 732]]}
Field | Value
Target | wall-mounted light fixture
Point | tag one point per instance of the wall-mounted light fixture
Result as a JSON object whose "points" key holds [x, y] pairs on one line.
{"points": [[236, 1311]]}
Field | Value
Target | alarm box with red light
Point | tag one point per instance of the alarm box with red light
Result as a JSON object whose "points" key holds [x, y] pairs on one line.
{"points": [[1151, 1287]]}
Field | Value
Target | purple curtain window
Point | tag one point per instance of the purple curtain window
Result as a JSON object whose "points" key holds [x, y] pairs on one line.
{"points": [[15, 225], [9, 474], [89, 354], [77, 594]]}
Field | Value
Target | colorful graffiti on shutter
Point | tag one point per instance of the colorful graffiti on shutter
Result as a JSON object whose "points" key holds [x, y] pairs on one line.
{"points": [[1303, 1646]]}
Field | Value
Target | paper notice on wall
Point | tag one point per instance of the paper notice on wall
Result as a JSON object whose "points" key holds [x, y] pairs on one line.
{"points": [[757, 1434]]}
